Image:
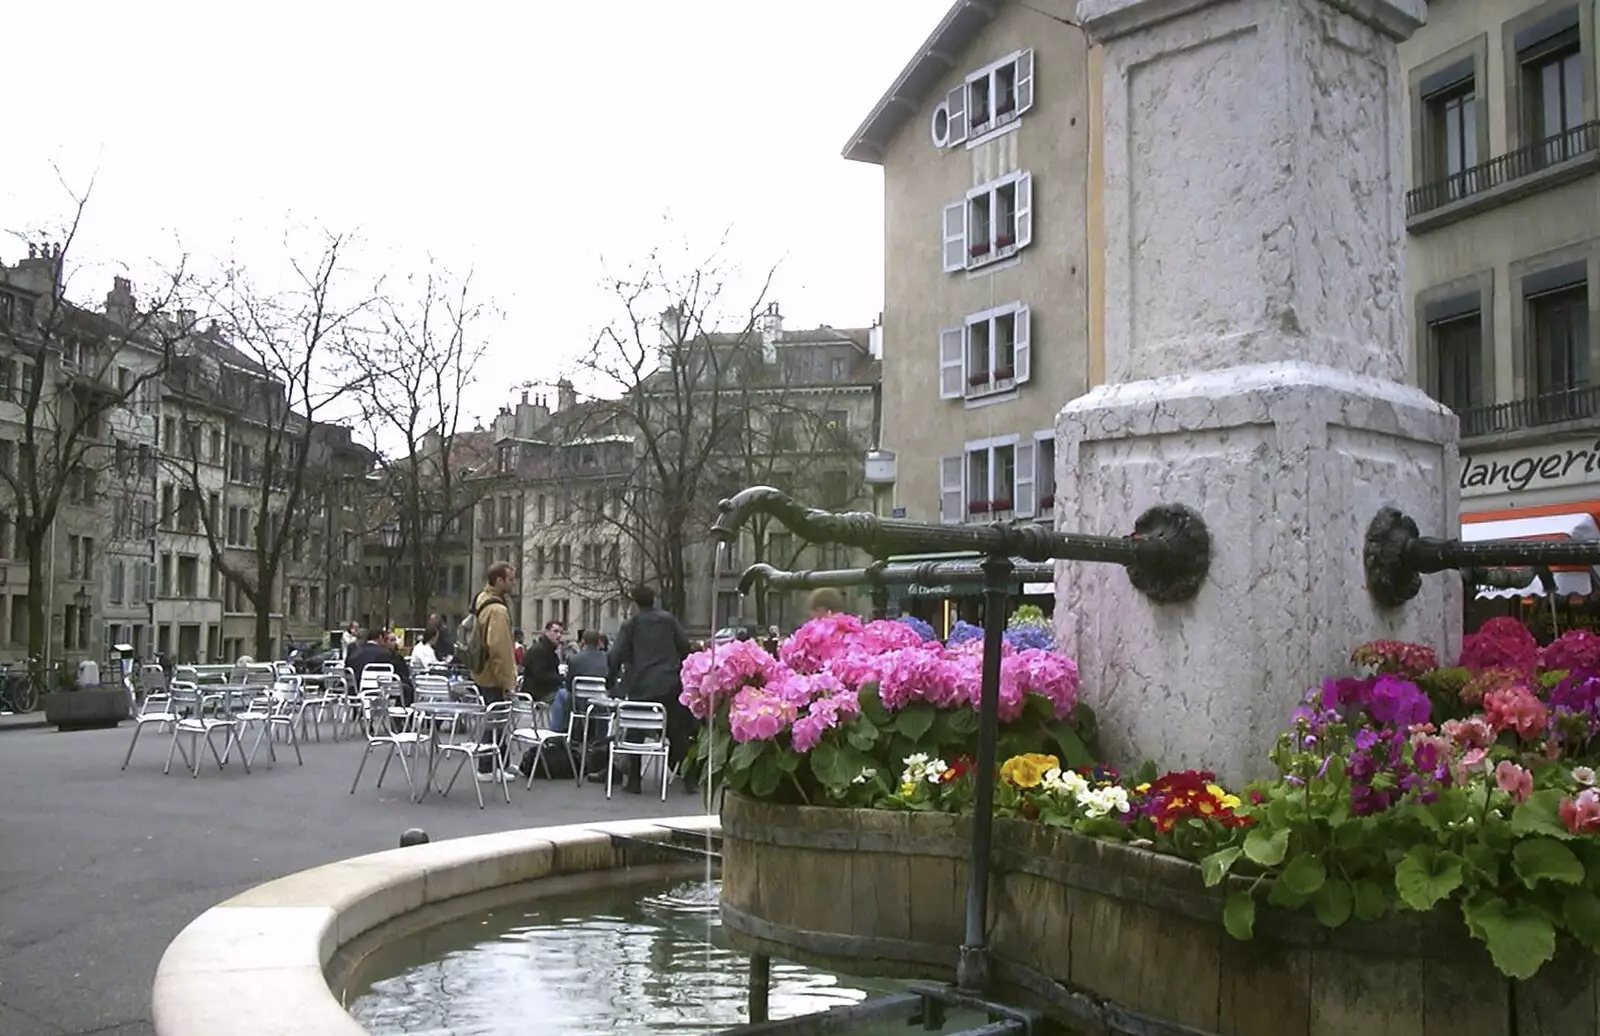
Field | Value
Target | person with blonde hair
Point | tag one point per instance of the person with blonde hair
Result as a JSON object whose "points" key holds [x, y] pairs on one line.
{"points": [[825, 601]]}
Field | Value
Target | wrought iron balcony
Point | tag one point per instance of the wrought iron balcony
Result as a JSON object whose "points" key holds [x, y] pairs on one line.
{"points": [[1504, 170], [1580, 403]]}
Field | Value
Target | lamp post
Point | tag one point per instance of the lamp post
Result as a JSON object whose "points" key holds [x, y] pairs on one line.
{"points": [[389, 536], [81, 601]]}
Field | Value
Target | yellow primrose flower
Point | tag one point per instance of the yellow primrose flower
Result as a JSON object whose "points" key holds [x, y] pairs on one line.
{"points": [[1222, 797], [907, 790], [1028, 770], [1142, 788]]}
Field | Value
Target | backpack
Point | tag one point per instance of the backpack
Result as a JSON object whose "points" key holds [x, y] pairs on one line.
{"points": [[469, 636]]}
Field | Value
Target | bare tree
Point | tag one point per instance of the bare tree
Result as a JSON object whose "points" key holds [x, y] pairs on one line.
{"points": [[712, 399], [414, 374], [266, 367], [66, 372]]}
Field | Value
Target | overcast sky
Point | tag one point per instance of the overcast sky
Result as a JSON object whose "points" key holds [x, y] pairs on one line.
{"points": [[521, 140]]}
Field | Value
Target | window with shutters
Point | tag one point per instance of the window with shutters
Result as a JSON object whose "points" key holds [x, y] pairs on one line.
{"points": [[993, 223], [989, 100], [991, 480], [989, 355]]}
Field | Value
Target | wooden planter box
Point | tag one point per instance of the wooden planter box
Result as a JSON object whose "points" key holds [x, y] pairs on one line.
{"points": [[1110, 938], [86, 709]]}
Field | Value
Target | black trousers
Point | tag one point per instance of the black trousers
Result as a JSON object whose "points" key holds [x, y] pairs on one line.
{"points": [[680, 730], [486, 763]]}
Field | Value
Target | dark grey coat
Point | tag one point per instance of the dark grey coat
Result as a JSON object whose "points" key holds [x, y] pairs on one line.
{"points": [[649, 651]]}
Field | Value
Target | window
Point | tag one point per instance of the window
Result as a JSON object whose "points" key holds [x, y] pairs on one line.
{"points": [[188, 575], [992, 352], [165, 586], [8, 377], [118, 581], [1044, 472], [294, 601], [19, 619], [214, 454], [7, 535], [238, 531], [994, 222], [538, 613], [8, 457], [1558, 336], [1452, 135], [85, 567], [1458, 360], [994, 480], [992, 97], [1552, 85]]}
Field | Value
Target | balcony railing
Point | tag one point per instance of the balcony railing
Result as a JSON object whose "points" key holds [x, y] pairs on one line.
{"points": [[1574, 404], [1507, 168]]}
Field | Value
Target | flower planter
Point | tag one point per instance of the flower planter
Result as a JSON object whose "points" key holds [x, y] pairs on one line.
{"points": [[86, 709], [1104, 936]]}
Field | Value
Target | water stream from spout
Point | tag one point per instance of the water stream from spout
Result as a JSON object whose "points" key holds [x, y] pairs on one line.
{"points": [[708, 773]]}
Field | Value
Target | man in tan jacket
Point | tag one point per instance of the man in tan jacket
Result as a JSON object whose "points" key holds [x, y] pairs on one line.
{"points": [[496, 671]]}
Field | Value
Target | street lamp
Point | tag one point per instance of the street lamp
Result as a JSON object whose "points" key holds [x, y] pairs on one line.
{"points": [[81, 599], [389, 536]]}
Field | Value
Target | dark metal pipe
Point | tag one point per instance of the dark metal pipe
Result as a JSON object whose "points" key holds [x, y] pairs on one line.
{"points": [[929, 573], [972, 970], [1167, 555], [760, 987], [1397, 556]]}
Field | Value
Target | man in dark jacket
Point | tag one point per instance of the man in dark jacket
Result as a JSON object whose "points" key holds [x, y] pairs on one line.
{"points": [[649, 653], [541, 663], [444, 644], [376, 647]]}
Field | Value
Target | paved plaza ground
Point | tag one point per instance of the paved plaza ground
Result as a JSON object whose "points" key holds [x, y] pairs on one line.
{"points": [[100, 869]]}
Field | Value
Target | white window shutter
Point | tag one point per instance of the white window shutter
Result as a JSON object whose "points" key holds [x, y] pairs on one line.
{"points": [[1024, 81], [955, 105], [955, 237], [1022, 347], [150, 583], [952, 363], [1022, 497], [1024, 217], [952, 501]]}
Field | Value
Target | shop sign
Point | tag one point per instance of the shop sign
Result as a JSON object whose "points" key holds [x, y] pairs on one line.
{"points": [[1571, 463]]}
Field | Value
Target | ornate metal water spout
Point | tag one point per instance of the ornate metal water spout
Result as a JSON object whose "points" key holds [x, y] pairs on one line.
{"points": [[1167, 557], [1397, 556]]}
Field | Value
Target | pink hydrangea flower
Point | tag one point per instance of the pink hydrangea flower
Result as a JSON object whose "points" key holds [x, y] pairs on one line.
{"points": [[1581, 815], [1500, 643], [1574, 649], [819, 641], [1045, 673], [884, 635], [711, 676], [760, 714]]}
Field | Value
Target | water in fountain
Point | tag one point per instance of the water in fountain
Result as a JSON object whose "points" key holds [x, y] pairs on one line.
{"points": [[622, 960]]}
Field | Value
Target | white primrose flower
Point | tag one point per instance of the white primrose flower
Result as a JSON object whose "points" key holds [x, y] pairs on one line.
{"points": [[935, 771], [1068, 782], [1584, 775], [1098, 802], [916, 768], [864, 776]]}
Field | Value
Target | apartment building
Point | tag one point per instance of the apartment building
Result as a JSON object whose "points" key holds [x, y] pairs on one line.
{"points": [[130, 534], [1503, 260], [984, 140], [559, 511]]}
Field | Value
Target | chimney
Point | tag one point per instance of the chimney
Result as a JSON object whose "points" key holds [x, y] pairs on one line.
{"points": [[566, 396], [40, 273], [530, 417], [186, 320], [524, 397], [672, 329], [119, 301], [770, 324]]}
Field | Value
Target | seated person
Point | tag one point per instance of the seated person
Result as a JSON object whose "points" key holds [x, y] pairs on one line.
{"points": [[377, 647], [423, 654], [590, 660]]}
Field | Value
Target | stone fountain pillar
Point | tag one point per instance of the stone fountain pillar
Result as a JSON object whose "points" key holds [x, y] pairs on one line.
{"points": [[1257, 367]]}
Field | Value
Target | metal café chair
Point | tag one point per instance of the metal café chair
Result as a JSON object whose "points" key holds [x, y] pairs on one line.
{"points": [[639, 728], [156, 708], [489, 730], [386, 731], [202, 716], [589, 705], [530, 728]]}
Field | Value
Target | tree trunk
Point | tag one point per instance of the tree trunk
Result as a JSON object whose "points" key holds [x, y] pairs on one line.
{"points": [[37, 544], [263, 606]]}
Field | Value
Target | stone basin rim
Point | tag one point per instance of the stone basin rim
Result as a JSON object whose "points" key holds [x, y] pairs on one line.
{"points": [[255, 964]]}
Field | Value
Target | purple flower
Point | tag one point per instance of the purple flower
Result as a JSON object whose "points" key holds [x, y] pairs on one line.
{"points": [[1396, 702]]}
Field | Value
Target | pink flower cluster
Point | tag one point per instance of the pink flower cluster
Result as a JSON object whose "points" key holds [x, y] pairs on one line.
{"points": [[1517, 708], [813, 685], [1396, 657], [1574, 649], [1500, 643]]}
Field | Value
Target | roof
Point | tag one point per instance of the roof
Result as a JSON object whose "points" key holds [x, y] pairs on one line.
{"points": [[937, 56]]}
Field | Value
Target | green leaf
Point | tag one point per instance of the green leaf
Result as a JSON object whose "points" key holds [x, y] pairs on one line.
{"points": [[962, 721], [1239, 915], [861, 734], [1540, 814], [745, 755], [829, 765], [1545, 859], [1304, 875], [1581, 912], [1370, 900], [788, 762], [765, 776], [872, 705], [1283, 896], [1520, 938], [1215, 867], [1267, 847], [1074, 753], [914, 721], [1333, 902], [1425, 876]]}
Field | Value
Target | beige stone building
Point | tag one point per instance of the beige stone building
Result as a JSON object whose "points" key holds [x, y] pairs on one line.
{"points": [[1503, 260], [984, 139]]}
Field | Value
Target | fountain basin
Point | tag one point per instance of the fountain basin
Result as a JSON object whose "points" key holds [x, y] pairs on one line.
{"points": [[255, 965], [1107, 937]]}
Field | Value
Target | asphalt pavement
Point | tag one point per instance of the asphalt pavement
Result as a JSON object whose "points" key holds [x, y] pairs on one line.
{"points": [[100, 868]]}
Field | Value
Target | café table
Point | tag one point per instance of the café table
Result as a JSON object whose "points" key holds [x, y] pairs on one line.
{"points": [[429, 714]]}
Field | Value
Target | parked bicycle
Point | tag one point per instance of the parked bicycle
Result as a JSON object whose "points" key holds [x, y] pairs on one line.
{"points": [[21, 689]]}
